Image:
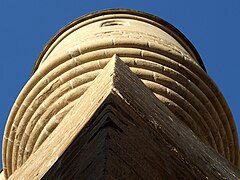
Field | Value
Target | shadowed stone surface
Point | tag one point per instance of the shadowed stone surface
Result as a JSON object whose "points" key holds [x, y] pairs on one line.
{"points": [[153, 49], [111, 133]]}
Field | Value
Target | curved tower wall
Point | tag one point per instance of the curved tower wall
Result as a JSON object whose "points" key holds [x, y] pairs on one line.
{"points": [[154, 50]]}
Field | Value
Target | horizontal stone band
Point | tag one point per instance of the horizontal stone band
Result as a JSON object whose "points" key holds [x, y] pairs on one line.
{"points": [[166, 69]]}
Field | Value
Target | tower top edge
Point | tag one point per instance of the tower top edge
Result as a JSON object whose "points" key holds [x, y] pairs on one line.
{"points": [[169, 28]]}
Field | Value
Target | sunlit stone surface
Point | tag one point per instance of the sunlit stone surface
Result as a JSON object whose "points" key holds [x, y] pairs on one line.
{"points": [[155, 51]]}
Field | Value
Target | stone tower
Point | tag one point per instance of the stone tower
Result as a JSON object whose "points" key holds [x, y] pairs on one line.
{"points": [[120, 94]]}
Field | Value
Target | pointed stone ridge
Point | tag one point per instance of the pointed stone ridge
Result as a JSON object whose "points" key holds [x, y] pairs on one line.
{"points": [[119, 129], [159, 55]]}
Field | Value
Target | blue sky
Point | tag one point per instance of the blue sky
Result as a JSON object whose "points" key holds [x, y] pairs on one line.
{"points": [[26, 26]]}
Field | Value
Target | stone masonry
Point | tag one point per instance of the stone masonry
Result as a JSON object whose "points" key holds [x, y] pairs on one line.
{"points": [[82, 112]]}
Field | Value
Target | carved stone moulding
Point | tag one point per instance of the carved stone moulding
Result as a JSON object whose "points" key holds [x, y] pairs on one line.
{"points": [[155, 51]]}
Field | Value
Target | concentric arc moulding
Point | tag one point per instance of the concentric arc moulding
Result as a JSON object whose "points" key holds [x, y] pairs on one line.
{"points": [[169, 68]]}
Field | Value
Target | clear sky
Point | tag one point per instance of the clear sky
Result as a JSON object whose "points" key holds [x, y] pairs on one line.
{"points": [[213, 26]]}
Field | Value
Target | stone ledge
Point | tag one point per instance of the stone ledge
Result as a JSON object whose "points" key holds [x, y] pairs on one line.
{"points": [[166, 134]]}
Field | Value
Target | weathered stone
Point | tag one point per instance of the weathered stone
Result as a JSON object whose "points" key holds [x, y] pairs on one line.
{"points": [[112, 133], [155, 51]]}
